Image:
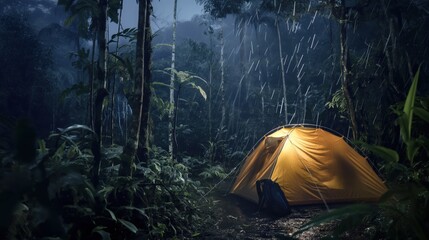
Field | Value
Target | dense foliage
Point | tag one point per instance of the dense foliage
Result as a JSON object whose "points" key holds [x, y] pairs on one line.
{"points": [[84, 110]]}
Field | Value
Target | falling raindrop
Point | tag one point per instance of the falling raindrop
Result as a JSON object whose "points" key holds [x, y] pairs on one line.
{"points": [[299, 72], [262, 88], [293, 116], [250, 68], [312, 41], [284, 60], [317, 119], [257, 64], [317, 43], [290, 61]]}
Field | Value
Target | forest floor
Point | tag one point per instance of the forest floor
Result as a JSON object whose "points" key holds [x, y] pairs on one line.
{"points": [[239, 219], [236, 218]]}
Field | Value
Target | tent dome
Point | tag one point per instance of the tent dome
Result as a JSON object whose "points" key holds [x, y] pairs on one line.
{"points": [[311, 165]]}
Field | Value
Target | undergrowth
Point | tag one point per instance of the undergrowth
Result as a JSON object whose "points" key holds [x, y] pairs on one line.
{"points": [[46, 192]]}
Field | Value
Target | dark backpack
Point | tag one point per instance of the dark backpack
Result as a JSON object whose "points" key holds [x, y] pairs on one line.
{"points": [[271, 197]]}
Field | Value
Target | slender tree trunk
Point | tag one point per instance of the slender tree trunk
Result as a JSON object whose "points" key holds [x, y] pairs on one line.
{"points": [[210, 90], [112, 99], [102, 46], [101, 92], [144, 146], [173, 111], [282, 70], [345, 71], [91, 84], [136, 100], [222, 85], [389, 52]]}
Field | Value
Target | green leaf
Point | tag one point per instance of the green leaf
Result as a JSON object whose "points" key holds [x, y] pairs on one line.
{"points": [[412, 149], [90, 195], [386, 154], [409, 103], [162, 84], [163, 45], [402, 121], [77, 127], [130, 226], [100, 231], [112, 214], [139, 210], [422, 114], [202, 92]]}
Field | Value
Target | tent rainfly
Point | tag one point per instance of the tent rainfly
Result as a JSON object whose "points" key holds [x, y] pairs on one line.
{"points": [[311, 166]]}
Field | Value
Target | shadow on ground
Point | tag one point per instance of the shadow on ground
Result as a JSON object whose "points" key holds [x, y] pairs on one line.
{"points": [[240, 219]]}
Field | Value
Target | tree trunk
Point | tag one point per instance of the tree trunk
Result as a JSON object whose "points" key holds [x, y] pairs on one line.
{"points": [[222, 85], [282, 69], [101, 92], [389, 52], [91, 84], [172, 111], [144, 147], [112, 99], [345, 71], [136, 100], [210, 90]]}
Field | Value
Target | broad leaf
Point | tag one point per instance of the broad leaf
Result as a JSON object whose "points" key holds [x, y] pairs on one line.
{"points": [[139, 210], [162, 84], [402, 121], [77, 127], [422, 113], [409, 103], [100, 231], [386, 154], [130, 226], [202, 92], [112, 214], [412, 149]]}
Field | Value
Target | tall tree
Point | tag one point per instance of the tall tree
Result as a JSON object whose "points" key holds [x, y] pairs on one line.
{"points": [[222, 83], [136, 100], [345, 69], [143, 148], [112, 95], [173, 111], [102, 91]]}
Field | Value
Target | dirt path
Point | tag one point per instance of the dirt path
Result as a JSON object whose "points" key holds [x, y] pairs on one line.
{"points": [[239, 219]]}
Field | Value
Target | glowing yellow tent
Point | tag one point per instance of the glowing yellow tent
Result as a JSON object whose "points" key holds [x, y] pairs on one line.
{"points": [[311, 165]]}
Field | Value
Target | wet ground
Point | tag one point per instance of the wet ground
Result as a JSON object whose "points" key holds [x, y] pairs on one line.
{"points": [[240, 219]]}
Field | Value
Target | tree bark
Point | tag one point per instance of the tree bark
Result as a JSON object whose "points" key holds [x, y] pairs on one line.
{"points": [[172, 111], [91, 84], [144, 146], [101, 92], [222, 85], [112, 99], [345, 84], [136, 100]]}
